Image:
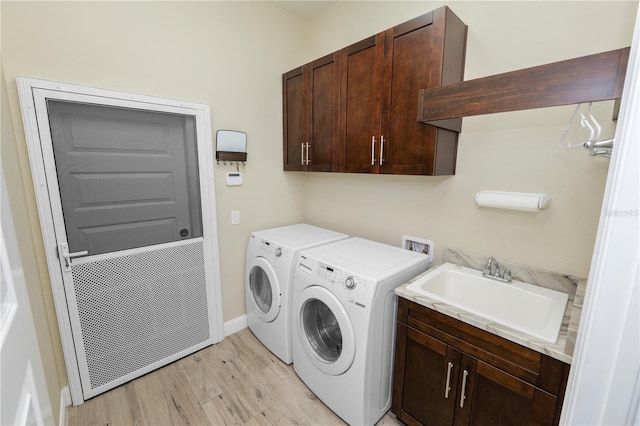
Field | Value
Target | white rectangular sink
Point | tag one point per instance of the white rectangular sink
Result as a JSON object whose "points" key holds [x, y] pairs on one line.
{"points": [[531, 309]]}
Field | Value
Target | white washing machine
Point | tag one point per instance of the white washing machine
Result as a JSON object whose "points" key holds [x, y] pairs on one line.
{"points": [[343, 320], [271, 257]]}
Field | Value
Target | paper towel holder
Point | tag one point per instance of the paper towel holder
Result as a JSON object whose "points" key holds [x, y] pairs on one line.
{"points": [[525, 201], [231, 145]]}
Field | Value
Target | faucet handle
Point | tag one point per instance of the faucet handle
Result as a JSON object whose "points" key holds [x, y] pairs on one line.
{"points": [[497, 272], [506, 275], [488, 264]]}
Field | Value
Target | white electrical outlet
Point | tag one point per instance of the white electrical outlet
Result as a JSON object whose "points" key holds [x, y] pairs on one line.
{"points": [[418, 245], [235, 217]]}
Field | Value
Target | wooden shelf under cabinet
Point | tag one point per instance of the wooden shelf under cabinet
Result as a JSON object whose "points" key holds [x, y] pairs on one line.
{"points": [[448, 372], [590, 78]]}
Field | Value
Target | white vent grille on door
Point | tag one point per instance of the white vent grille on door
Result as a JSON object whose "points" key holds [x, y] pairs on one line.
{"points": [[138, 309]]}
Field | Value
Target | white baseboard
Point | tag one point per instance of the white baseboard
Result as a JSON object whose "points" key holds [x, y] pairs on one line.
{"points": [[65, 401], [235, 325]]}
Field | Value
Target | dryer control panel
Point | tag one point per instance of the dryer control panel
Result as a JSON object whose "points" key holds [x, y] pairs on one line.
{"points": [[274, 252]]}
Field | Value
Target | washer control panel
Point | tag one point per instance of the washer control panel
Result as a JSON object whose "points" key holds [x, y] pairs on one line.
{"points": [[349, 287], [328, 274]]}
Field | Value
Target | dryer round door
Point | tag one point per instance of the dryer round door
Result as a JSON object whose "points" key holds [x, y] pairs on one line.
{"points": [[325, 330], [264, 289]]}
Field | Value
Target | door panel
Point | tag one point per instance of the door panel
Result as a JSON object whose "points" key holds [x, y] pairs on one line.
{"points": [[294, 123], [361, 86], [497, 398], [127, 178], [426, 396], [409, 144], [121, 175], [138, 309], [323, 93]]}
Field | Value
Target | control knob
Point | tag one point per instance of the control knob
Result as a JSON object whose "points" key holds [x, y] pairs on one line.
{"points": [[350, 283], [278, 252]]}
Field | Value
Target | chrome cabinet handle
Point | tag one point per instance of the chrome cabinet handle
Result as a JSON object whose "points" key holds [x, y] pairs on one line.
{"points": [[373, 150], [302, 154], [381, 149], [308, 162], [465, 373], [447, 387]]}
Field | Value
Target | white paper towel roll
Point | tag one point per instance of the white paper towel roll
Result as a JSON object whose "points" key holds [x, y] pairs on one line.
{"points": [[513, 200]]}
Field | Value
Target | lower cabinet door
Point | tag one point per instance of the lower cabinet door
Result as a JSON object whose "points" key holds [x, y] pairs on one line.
{"points": [[492, 397], [430, 380]]}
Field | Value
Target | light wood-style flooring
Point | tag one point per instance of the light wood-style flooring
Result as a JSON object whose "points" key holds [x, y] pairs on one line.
{"points": [[237, 381]]}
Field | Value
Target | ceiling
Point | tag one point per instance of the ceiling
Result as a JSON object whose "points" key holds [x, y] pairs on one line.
{"points": [[304, 8]]}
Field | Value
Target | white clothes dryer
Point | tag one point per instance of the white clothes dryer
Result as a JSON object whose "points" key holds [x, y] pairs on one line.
{"points": [[271, 257], [343, 318]]}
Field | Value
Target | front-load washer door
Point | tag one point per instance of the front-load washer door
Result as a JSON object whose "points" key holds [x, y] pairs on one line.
{"points": [[325, 330], [264, 289]]}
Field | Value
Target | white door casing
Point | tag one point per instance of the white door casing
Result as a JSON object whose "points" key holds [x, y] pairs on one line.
{"points": [[81, 286]]}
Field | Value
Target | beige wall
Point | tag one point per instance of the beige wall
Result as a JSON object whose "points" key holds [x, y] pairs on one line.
{"points": [[230, 55], [511, 152]]}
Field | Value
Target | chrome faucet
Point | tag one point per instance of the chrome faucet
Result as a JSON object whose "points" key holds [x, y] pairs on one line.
{"points": [[492, 270]]}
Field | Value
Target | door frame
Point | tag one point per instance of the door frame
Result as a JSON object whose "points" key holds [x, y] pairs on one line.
{"points": [[202, 116]]}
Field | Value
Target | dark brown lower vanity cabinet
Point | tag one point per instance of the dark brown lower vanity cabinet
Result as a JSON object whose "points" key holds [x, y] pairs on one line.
{"points": [[450, 373]]}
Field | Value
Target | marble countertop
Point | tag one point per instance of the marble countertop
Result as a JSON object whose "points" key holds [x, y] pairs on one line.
{"points": [[562, 349]]}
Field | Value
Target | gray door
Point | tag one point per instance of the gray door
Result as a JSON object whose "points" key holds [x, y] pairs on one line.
{"points": [[128, 178], [124, 185]]}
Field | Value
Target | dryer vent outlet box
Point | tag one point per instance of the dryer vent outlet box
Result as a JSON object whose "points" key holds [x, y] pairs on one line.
{"points": [[419, 245]]}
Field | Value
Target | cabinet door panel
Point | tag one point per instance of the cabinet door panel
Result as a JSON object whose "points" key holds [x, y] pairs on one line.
{"points": [[425, 381], [323, 90], [465, 398], [427, 51], [361, 85], [410, 145], [293, 116], [499, 399]]}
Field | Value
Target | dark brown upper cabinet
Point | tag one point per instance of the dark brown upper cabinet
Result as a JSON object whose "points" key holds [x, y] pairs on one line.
{"points": [[379, 79], [310, 106]]}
